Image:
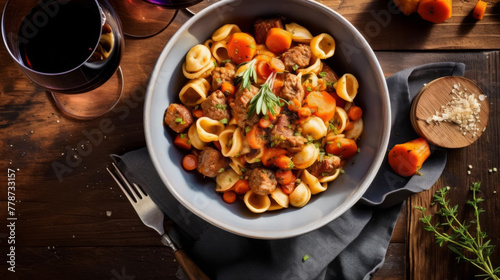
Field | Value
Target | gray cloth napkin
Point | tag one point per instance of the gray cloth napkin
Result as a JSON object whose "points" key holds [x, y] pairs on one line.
{"points": [[352, 246]]}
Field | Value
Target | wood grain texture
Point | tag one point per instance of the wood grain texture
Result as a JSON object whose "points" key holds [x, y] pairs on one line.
{"points": [[73, 222]]}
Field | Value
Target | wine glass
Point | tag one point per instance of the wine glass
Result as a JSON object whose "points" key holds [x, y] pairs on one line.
{"points": [[146, 18], [72, 48]]}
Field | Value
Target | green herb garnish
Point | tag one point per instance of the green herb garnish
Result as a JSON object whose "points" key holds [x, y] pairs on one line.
{"points": [[265, 99], [461, 241], [248, 74]]}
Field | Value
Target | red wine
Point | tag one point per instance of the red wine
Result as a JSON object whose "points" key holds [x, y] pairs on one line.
{"points": [[174, 4], [70, 45]]}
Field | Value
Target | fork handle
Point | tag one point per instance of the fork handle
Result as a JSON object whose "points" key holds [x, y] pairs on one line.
{"points": [[187, 264]]}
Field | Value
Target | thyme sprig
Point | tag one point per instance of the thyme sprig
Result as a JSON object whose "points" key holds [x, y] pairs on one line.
{"points": [[246, 77], [265, 99], [461, 241]]}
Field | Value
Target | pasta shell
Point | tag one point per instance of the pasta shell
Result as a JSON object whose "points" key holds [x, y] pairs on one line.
{"points": [[209, 129], [312, 182], [340, 119], [254, 155], [274, 206], [237, 165], [306, 157], [323, 46], [280, 198], [203, 73], [231, 141], [257, 203], [194, 92], [347, 87], [194, 138], [219, 51], [356, 130], [299, 33], [197, 58], [330, 178], [314, 68], [209, 43], [314, 127], [225, 31], [300, 196], [226, 180]]}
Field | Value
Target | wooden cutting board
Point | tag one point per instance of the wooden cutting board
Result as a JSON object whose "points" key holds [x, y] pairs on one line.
{"points": [[445, 94]]}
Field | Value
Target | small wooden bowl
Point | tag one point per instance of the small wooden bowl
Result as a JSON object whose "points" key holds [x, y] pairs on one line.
{"points": [[429, 101]]}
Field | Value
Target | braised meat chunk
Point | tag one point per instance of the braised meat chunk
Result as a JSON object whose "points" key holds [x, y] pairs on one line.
{"points": [[239, 106], [211, 162], [326, 166], [262, 181], [283, 135], [215, 106], [223, 74], [262, 26], [292, 88], [178, 117], [297, 57], [329, 76]]}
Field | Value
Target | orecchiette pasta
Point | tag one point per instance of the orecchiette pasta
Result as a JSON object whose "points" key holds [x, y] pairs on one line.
{"points": [[225, 31], [209, 129], [299, 33], [347, 87], [269, 159], [323, 46], [194, 92]]}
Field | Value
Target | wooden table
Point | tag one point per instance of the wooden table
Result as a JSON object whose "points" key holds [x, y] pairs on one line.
{"points": [[79, 226]]}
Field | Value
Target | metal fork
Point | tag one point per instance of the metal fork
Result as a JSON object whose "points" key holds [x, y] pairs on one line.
{"points": [[152, 216]]}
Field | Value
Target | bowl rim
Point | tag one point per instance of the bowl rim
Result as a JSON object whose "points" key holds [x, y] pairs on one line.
{"points": [[256, 233]]}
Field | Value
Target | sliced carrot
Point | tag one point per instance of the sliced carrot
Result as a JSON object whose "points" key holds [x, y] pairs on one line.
{"points": [[294, 105], [276, 65], [435, 11], [241, 47], [262, 57], [265, 122], [279, 80], [198, 113], [407, 158], [285, 176], [256, 137], [270, 155], [479, 10], [342, 147], [241, 187], [229, 197], [288, 188], [182, 141], [263, 70], [354, 113], [190, 162], [284, 162], [304, 112], [227, 88], [278, 40], [322, 104]]}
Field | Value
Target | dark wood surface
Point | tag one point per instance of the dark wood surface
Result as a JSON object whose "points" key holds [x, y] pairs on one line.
{"points": [[76, 224]]}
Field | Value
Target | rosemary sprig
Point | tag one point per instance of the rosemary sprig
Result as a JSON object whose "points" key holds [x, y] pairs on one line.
{"points": [[461, 240], [265, 99], [246, 76]]}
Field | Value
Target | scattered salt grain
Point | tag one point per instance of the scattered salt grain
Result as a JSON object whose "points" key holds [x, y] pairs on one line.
{"points": [[108, 213]]}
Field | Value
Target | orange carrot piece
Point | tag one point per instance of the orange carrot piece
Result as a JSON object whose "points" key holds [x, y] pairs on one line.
{"points": [[264, 122], [288, 188], [354, 113], [294, 105], [270, 155], [284, 162], [285, 177], [263, 70], [227, 88], [276, 65], [256, 137], [278, 40], [241, 47], [407, 158], [241, 187], [229, 197], [304, 112], [435, 11], [190, 162], [479, 10], [182, 141], [198, 113], [342, 147], [349, 125], [322, 104]]}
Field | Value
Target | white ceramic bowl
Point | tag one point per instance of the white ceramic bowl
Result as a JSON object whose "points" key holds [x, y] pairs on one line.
{"points": [[352, 55]]}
